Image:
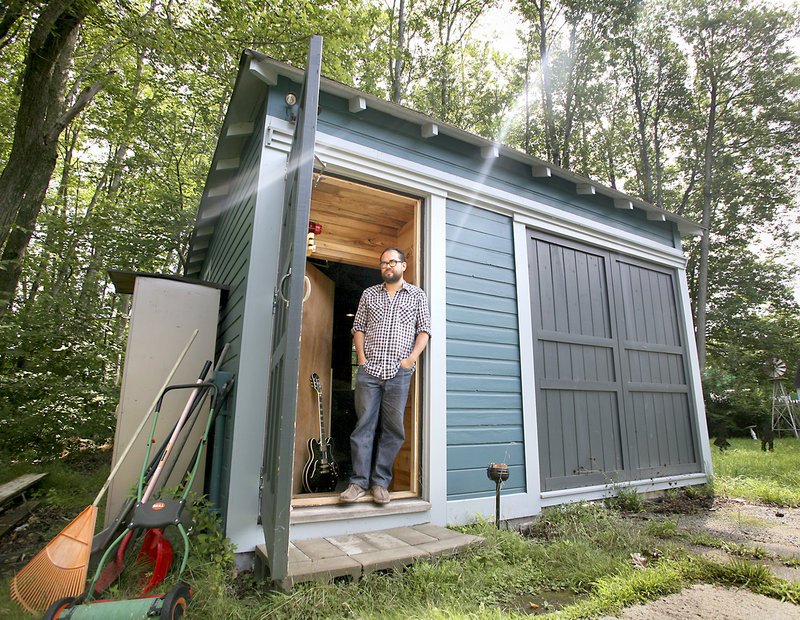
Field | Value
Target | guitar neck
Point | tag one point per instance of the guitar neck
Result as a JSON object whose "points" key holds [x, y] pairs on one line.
{"points": [[321, 418]]}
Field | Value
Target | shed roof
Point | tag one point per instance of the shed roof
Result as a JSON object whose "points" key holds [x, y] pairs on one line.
{"points": [[257, 70]]}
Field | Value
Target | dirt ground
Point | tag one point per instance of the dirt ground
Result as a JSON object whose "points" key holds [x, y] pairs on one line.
{"points": [[713, 602], [771, 529]]}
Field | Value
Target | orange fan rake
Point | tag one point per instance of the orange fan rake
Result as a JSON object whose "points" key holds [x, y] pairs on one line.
{"points": [[59, 569]]}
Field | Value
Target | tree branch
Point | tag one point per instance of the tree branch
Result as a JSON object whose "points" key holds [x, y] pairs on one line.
{"points": [[76, 108]]}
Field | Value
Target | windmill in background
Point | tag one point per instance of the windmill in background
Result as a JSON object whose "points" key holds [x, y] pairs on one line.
{"points": [[784, 410]]}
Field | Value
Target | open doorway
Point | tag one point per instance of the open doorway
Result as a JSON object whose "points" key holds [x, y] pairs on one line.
{"points": [[357, 222]]}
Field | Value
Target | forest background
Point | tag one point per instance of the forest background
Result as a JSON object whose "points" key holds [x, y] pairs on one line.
{"points": [[110, 111]]}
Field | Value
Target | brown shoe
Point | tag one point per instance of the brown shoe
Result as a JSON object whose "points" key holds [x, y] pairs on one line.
{"points": [[380, 495], [352, 493]]}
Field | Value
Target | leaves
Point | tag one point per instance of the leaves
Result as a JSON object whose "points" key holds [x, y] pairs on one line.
{"points": [[615, 90]]}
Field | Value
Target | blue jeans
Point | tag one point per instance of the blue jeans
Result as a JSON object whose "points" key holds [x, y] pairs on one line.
{"points": [[379, 433]]}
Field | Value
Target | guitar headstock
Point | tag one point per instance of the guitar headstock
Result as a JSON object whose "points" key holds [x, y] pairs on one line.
{"points": [[315, 383]]}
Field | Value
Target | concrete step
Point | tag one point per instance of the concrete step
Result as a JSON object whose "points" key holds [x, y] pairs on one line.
{"points": [[323, 559]]}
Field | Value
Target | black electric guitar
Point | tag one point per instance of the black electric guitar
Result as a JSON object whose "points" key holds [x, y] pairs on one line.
{"points": [[320, 473]]}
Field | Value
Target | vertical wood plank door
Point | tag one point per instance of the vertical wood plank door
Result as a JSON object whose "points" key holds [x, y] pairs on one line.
{"points": [[612, 396], [276, 474], [576, 365], [658, 412]]}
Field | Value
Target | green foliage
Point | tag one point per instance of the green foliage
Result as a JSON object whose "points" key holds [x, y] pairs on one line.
{"points": [[628, 587], [697, 491], [626, 499], [748, 551], [752, 318], [662, 529], [56, 396], [583, 549], [209, 545], [125, 191]]}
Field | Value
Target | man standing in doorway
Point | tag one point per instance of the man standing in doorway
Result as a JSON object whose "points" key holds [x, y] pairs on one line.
{"points": [[390, 330]]}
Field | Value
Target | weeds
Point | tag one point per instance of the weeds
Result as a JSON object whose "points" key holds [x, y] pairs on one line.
{"points": [[750, 551], [602, 561], [627, 499], [663, 529]]}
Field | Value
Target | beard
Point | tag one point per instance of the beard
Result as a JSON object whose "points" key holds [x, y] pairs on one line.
{"points": [[391, 276]]}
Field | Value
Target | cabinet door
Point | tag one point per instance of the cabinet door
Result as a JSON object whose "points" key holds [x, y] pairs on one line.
{"points": [[276, 474]]}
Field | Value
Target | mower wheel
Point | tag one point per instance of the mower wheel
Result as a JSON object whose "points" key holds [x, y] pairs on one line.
{"points": [[54, 611], [176, 601]]}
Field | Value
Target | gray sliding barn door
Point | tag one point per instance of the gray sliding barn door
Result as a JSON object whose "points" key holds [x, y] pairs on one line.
{"points": [[610, 366], [658, 414]]}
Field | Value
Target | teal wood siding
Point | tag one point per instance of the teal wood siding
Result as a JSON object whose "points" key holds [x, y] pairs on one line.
{"points": [[484, 392], [227, 263], [394, 136]]}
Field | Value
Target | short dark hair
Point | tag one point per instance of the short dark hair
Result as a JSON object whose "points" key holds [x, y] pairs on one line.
{"points": [[398, 250]]}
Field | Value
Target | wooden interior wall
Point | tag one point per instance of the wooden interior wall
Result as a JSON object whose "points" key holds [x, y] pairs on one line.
{"points": [[358, 221], [315, 356], [406, 465]]}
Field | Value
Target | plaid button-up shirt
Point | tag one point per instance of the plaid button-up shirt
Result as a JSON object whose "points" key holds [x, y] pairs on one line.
{"points": [[390, 326]]}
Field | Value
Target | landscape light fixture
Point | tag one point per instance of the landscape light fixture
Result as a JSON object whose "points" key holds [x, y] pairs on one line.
{"points": [[499, 473]]}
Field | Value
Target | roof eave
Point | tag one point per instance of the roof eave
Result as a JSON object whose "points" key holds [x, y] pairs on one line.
{"points": [[257, 69]]}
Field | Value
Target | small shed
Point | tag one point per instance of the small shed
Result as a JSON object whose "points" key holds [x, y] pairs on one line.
{"points": [[562, 339]]}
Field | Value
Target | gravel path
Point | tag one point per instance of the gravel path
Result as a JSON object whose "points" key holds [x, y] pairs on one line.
{"points": [[772, 529]]}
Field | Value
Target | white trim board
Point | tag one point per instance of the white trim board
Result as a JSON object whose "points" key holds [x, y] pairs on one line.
{"points": [[392, 172], [434, 421], [601, 491], [695, 380], [512, 506], [525, 332], [251, 394]]}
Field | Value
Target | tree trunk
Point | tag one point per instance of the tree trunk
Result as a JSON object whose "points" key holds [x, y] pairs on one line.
{"points": [[550, 134], [15, 246], [397, 70], [702, 271], [641, 124], [40, 119], [528, 145]]}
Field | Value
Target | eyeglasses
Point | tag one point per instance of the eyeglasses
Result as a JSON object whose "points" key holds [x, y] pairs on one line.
{"points": [[391, 263]]}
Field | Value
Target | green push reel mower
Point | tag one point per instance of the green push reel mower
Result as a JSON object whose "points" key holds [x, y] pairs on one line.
{"points": [[151, 515]]}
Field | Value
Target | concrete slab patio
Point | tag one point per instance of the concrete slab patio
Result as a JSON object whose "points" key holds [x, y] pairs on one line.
{"points": [[323, 559]]}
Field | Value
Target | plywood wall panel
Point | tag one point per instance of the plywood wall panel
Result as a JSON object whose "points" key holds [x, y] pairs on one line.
{"points": [[315, 356]]}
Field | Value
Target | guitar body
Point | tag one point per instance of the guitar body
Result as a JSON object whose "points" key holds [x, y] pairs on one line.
{"points": [[320, 473]]}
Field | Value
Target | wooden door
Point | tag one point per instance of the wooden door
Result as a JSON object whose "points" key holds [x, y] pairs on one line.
{"points": [[276, 473]]}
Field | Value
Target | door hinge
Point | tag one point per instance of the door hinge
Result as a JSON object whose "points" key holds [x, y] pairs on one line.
{"points": [[260, 493]]}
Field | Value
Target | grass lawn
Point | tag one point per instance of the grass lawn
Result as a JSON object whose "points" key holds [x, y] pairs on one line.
{"points": [[576, 558], [743, 470]]}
